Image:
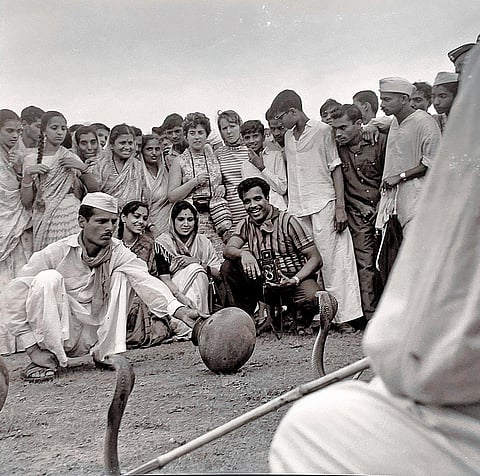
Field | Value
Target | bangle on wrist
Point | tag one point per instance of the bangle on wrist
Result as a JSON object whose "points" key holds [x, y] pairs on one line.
{"points": [[296, 279], [27, 185]]}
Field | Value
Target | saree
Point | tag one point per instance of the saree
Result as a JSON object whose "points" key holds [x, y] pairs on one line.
{"points": [[15, 239], [125, 186], [192, 280], [158, 200], [56, 203], [145, 329]]}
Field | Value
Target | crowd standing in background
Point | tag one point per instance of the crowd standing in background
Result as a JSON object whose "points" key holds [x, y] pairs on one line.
{"points": [[183, 206]]}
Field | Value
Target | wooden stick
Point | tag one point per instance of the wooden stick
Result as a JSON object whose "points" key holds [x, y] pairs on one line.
{"points": [[290, 396]]}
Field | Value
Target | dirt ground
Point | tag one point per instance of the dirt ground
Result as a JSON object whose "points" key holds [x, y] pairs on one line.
{"points": [[57, 428]]}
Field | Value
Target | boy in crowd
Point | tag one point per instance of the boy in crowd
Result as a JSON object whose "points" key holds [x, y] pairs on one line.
{"points": [[421, 97], [326, 110], [264, 162], [316, 196]]}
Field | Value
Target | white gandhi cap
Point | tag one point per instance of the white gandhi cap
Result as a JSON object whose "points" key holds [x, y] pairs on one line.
{"points": [[102, 201]]}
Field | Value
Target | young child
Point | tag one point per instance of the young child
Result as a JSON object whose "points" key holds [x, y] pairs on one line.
{"points": [[265, 163]]}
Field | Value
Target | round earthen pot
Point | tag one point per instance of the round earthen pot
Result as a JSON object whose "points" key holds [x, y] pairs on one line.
{"points": [[225, 340]]}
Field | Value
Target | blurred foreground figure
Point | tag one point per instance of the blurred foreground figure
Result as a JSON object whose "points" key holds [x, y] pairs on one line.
{"points": [[421, 413]]}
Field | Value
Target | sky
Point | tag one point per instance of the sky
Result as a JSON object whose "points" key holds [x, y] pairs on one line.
{"points": [[136, 61]]}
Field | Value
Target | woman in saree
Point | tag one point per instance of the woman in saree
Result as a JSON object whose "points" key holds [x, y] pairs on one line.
{"points": [[186, 258], [15, 232], [195, 176], [120, 171], [86, 144], [54, 182], [145, 329], [156, 177]]}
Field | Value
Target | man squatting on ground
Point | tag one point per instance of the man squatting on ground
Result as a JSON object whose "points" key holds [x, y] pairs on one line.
{"points": [[287, 243], [421, 412], [71, 298]]}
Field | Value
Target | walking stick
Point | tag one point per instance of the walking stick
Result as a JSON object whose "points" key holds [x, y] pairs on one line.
{"points": [[252, 415]]}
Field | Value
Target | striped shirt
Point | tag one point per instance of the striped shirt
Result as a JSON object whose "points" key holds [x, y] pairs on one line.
{"points": [[231, 160], [281, 232]]}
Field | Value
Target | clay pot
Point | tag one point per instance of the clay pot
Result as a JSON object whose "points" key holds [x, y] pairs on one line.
{"points": [[225, 340]]}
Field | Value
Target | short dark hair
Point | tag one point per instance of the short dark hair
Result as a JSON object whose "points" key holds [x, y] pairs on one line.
{"points": [[31, 114], [86, 211], [328, 104], [194, 119], [350, 110], [252, 126], [285, 100], [172, 120], [245, 185], [367, 96], [424, 88]]}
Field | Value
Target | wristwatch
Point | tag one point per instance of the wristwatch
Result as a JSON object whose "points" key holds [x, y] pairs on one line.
{"points": [[403, 176], [297, 279]]}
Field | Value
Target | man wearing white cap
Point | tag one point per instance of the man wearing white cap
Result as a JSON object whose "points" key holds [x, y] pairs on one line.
{"points": [[71, 298], [412, 143], [444, 90], [420, 414]]}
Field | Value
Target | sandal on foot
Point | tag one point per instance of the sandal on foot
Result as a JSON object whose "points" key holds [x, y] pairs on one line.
{"points": [[35, 373]]}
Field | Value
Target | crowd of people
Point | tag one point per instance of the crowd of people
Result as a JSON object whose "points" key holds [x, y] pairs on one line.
{"points": [[159, 219]]}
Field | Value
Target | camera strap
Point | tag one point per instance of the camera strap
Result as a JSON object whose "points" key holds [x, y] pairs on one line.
{"points": [[206, 166]]}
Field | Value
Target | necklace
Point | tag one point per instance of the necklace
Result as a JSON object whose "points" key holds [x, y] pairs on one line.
{"points": [[129, 245]]}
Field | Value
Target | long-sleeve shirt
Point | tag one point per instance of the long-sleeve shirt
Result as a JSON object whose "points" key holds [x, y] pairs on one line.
{"points": [[65, 256]]}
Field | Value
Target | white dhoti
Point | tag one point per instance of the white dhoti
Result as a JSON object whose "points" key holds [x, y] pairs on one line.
{"points": [[361, 428], [339, 269], [65, 327], [9, 269]]}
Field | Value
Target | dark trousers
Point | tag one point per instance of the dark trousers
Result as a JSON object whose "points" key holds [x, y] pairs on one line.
{"points": [[365, 244], [243, 292]]}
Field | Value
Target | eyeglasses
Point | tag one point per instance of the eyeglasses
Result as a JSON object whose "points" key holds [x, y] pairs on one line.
{"points": [[279, 117]]}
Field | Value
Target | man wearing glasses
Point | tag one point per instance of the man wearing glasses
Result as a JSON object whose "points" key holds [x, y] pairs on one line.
{"points": [[316, 197]]}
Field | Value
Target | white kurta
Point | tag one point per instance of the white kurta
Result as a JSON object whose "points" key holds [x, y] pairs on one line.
{"points": [[311, 197], [50, 300], [421, 414], [414, 141]]}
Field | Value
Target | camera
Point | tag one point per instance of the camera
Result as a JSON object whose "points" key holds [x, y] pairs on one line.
{"points": [[269, 266]]}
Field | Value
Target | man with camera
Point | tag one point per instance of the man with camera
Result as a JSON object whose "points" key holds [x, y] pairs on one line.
{"points": [[279, 259]]}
